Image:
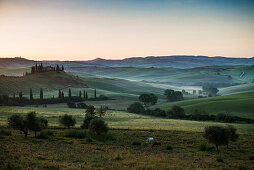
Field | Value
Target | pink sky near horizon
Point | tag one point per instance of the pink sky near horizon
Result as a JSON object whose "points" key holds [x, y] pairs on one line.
{"points": [[72, 31]]}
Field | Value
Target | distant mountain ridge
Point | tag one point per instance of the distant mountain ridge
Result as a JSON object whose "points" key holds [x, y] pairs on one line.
{"points": [[176, 61]]}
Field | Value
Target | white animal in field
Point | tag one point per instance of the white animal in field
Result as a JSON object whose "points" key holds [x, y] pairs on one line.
{"points": [[150, 139]]}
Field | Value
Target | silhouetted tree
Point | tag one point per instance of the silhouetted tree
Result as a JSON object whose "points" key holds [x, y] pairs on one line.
{"points": [[148, 99], [57, 67], [231, 133], [62, 94], [19, 123], [101, 111], [172, 95], [20, 95], [80, 94], [86, 95], [35, 123], [98, 126], [41, 94], [67, 121], [31, 94], [90, 109], [69, 93], [62, 68], [216, 135], [95, 93], [59, 94], [36, 67], [137, 108]]}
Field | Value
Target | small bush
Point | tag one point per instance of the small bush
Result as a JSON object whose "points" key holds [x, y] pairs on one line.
{"points": [[105, 137], [67, 120], [136, 143], [89, 140], [5, 132], [203, 147], [169, 147], [251, 157], [44, 134], [80, 134], [219, 158], [98, 126], [71, 105], [118, 156]]}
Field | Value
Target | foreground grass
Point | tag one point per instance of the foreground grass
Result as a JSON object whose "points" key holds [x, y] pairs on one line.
{"points": [[119, 119], [178, 150]]}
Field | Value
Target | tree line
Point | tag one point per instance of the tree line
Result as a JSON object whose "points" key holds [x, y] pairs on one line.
{"points": [[20, 100], [177, 112]]}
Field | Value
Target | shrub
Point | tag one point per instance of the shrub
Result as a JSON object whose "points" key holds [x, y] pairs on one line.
{"points": [[178, 112], [71, 105], [5, 132], [137, 108], [19, 123], [89, 140], [80, 134], [251, 157], [203, 147], [90, 109], [44, 134], [118, 156], [86, 122], [81, 105], [136, 143], [169, 147], [67, 121], [98, 126], [216, 135], [219, 158], [103, 97]]}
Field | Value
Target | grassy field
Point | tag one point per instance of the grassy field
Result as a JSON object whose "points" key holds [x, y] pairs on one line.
{"points": [[237, 89], [240, 104], [178, 150], [118, 119]]}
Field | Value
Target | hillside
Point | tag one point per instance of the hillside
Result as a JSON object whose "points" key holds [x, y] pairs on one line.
{"points": [[180, 61], [47, 80], [237, 89], [177, 61], [220, 76], [240, 104]]}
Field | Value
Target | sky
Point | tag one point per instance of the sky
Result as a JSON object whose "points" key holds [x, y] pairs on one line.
{"points": [[116, 29]]}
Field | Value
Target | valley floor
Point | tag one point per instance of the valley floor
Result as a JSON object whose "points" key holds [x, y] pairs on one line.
{"points": [[179, 150]]}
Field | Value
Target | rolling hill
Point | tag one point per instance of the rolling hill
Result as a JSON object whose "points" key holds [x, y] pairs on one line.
{"points": [[180, 61], [240, 104], [220, 76], [237, 89], [47, 80]]}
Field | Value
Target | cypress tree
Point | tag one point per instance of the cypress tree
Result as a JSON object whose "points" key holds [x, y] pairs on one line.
{"points": [[36, 67], [62, 68], [20, 95], [95, 93], [31, 94], [57, 67], [86, 95], [62, 94], [69, 93], [41, 94], [59, 94], [14, 96], [80, 94]]}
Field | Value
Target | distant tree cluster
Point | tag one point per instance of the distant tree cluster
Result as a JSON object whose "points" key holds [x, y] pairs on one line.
{"points": [[210, 90], [40, 68], [172, 95], [30, 122]]}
